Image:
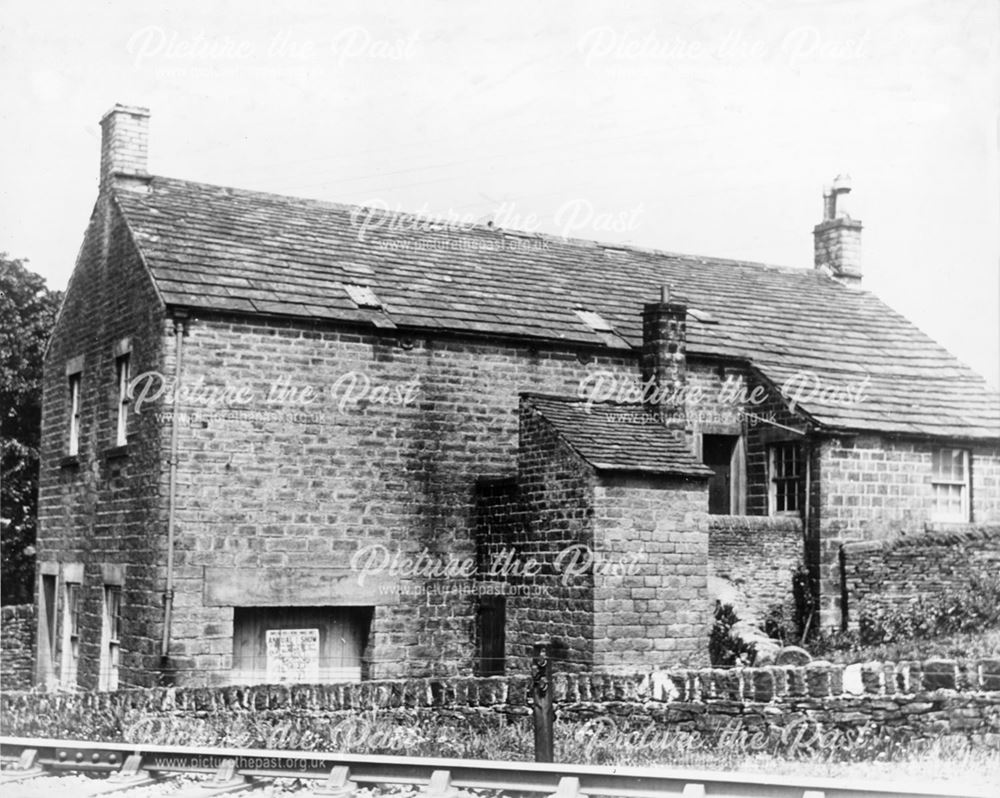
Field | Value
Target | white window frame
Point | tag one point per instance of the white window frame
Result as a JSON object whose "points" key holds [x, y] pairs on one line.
{"points": [[948, 482], [75, 383], [122, 375], [72, 599], [773, 479], [111, 638]]}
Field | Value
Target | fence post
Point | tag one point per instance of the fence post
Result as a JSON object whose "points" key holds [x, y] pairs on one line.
{"points": [[541, 702]]}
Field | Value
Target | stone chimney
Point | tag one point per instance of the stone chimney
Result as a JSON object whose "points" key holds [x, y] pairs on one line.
{"points": [[124, 147], [664, 356], [838, 237]]}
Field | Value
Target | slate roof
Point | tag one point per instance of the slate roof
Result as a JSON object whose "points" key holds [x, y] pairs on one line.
{"points": [[617, 437], [227, 249]]}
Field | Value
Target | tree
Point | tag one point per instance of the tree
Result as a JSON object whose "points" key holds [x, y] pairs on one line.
{"points": [[27, 313]]}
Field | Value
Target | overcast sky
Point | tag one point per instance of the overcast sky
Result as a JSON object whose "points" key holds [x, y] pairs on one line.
{"points": [[706, 128]]}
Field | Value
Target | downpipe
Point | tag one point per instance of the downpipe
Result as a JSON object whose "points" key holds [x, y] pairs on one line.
{"points": [[167, 673]]}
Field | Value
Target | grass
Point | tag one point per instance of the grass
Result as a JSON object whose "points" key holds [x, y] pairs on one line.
{"points": [[854, 754]]}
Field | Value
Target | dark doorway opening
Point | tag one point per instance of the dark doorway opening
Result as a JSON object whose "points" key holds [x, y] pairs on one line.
{"points": [[717, 453], [491, 628]]}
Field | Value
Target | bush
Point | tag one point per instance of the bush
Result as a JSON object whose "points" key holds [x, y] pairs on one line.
{"points": [[725, 649], [805, 600], [972, 609], [776, 627], [956, 623]]}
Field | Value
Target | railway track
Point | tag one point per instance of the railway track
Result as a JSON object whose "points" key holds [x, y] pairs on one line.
{"points": [[71, 768]]}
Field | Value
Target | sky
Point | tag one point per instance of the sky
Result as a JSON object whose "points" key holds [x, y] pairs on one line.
{"points": [[704, 128]]}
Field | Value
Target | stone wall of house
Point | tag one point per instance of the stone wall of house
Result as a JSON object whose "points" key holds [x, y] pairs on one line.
{"points": [[17, 646], [758, 556], [889, 575], [387, 452], [556, 496], [285, 487], [650, 582], [101, 511], [870, 488], [818, 709]]}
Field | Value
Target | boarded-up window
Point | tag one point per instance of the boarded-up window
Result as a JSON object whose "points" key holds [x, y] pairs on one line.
{"points": [[300, 644]]}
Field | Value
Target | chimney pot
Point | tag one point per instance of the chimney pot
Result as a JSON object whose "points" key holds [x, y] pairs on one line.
{"points": [[837, 239]]}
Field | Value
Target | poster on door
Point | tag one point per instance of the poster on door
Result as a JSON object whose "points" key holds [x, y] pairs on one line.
{"points": [[292, 655]]}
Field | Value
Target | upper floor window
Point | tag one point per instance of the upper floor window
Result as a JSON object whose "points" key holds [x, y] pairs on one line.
{"points": [[786, 470], [950, 485], [123, 375], [74, 413]]}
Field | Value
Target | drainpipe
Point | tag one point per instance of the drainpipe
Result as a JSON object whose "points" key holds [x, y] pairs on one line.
{"points": [[180, 322], [807, 451]]}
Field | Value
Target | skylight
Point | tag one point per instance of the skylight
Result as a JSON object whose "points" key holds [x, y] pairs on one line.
{"points": [[704, 316], [363, 296], [593, 320]]}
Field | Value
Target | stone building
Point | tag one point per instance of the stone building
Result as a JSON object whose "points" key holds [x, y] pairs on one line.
{"points": [[289, 439]]}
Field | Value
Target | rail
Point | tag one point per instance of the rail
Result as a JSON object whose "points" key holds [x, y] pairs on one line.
{"points": [[128, 766]]}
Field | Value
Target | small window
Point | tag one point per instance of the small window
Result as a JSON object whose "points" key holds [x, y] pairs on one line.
{"points": [[950, 483], [786, 471], [71, 634], [74, 413], [111, 650], [123, 375]]}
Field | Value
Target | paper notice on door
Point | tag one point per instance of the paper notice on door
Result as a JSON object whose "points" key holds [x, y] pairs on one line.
{"points": [[292, 655]]}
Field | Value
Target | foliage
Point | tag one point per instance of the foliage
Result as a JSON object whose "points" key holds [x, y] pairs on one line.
{"points": [[776, 626], [968, 609], [27, 314], [725, 649], [806, 604], [959, 622]]}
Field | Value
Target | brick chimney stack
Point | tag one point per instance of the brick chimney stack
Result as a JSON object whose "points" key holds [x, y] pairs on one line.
{"points": [[838, 237], [663, 360], [124, 148]]}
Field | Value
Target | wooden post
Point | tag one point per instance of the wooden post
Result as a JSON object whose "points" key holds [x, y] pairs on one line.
{"points": [[541, 702]]}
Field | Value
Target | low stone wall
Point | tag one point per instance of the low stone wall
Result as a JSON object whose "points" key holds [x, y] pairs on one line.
{"points": [[883, 576], [759, 556], [818, 703], [17, 646]]}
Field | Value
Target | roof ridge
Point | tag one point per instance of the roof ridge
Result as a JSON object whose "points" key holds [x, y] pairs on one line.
{"points": [[541, 236]]}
